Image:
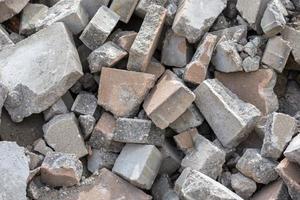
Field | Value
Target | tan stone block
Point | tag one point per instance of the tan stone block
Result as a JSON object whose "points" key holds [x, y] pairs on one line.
{"points": [[184, 140], [155, 68], [274, 191]]}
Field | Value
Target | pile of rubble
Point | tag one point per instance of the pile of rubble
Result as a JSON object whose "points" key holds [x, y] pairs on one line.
{"points": [[149, 99]]}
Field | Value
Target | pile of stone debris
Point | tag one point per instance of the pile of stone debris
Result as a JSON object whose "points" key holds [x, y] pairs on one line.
{"points": [[149, 99]]}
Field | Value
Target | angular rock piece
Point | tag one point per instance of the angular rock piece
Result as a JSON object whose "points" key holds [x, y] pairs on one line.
{"points": [[171, 158], [70, 12], [226, 58], [273, 21], [41, 147], [192, 24], [292, 152], [260, 169], [106, 55], [168, 100], [62, 133], [162, 189], [92, 6], [195, 72], [206, 158], [9, 8], [87, 123], [145, 43], [5, 41], [255, 88], [61, 169], [85, 104], [275, 191], [251, 64], [143, 6], [276, 53], [252, 12], [31, 15], [121, 92], [278, 129], [99, 28], [14, 171], [191, 118], [101, 158], [235, 33], [242, 185], [124, 8], [125, 39], [102, 136], [221, 108], [290, 174], [139, 164], [3, 95], [28, 91], [184, 140], [155, 68], [191, 184], [176, 51], [292, 35], [59, 107]]}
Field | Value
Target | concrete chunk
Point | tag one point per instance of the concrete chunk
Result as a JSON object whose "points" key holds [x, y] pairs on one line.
{"points": [[28, 91], [255, 88], [251, 64], [124, 8], [41, 147], [99, 28], [184, 140], [139, 164], [61, 169], [168, 100], [243, 185], [106, 55], [92, 6], [59, 107], [195, 72], [5, 41], [275, 191], [192, 24], [87, 123], [292, 152], [14, 171], [125, 39], [121, 92], [101, 158], [63, 135], [9, 8], [143, 6], [230, 118], [3, 95], [162, 189], [260, 169], [191, 184], [278, 129], [155, 68], [292, 36], [145, 43], [171, 158], [276, 53], [85, 104]]}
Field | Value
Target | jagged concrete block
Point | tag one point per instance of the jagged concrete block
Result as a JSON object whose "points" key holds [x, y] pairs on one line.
{"points": [[41, 147], [147, 157], [9, 8], [168, 100], [70, 12], [5, 41], [243, 185], [292, 152], [30, 17], [59, 107], [107, 55], [101, 158], [142, 7], [184, 140], [14, 171], [99, 28], [92, 6], [191, 184], [85, 104], [235, 33], [230, 118], [145, 43], [278, 129], [275, 190], [124, 39], [61, 169], [124, 8], [62, 133], [192, 24], [260, 169], [251, 64], [276, 53], [28, 91], [292, 35]]}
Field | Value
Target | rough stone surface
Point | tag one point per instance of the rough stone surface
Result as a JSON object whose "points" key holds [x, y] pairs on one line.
{"points": [[292, 35], [195, 72], [276, 53], [9, 8], [143, 6], [41, 147], [184, 140], [14, 171], [260, 169], [168, 100], [139, 164], [145, 43], [125, 39], [191, 184], [191, 23], [242, 185], [70, 12], [290, 174], [275, 191], [106, 55], [87, 123], [62, 133], [171, 158], [162, 189], [5, 41], [292, 152], [176, 51], [278, 130], [121, 92], [255, 88], [124, 8], [101, 158], [235, 33], [59, 107], [92, 6], [99, 28], [61, 69], [205, 158], [3, 95], [251, 64], [155, 68], [221, 108], [85, 104], [61, 169]]}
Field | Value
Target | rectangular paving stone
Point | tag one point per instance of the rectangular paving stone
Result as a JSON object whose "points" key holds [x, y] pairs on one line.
{"points": [[143, 6], [124, 8]]}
